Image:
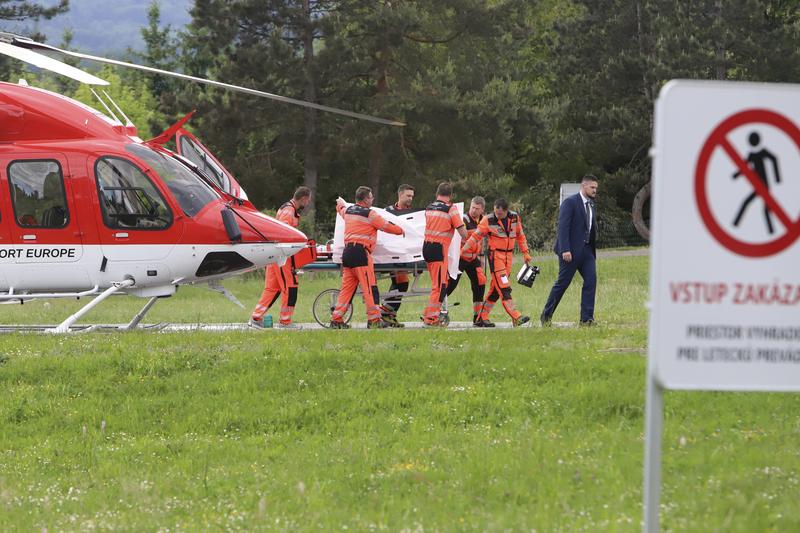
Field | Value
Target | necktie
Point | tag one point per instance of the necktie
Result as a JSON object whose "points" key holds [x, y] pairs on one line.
{"points": [[588, 216]]}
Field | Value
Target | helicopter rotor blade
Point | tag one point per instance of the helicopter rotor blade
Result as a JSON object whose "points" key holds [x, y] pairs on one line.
{"points": [[48, 63], [29, 43]]}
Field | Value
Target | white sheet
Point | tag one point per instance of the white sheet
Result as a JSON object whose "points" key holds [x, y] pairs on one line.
{"points": [[397, 249]]}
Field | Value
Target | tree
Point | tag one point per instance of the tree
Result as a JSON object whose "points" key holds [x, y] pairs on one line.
{"points": [[20, 10], [24, 10], [160, 52], [132, 96], [443, 68], [270, 46], [605, 62], [509, 97], [159, 48]]}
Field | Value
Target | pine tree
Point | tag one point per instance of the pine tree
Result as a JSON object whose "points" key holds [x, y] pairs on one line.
{"points": [[160, 49], [269, 46], [23, 11], [20, 10]]}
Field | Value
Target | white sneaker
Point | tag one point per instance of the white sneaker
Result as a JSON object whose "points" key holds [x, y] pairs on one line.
{"points": [[256, 324], [290, 325]]}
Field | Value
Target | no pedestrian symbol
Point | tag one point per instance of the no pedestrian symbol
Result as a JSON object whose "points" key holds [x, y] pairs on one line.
{"points": [[762, 167]]}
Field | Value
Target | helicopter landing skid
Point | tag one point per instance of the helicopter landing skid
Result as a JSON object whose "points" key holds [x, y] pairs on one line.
{"points": [[114, 328], [133, 324], [82, 328], [65, 326]]}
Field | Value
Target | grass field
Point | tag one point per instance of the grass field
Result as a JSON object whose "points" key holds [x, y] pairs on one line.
{"points": [[526, 429], [621, 296]]}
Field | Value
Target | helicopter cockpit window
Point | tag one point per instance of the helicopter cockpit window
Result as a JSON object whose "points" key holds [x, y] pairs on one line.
{"points": [[192, 151], [188, 188], [128, 198], [37, 192]]}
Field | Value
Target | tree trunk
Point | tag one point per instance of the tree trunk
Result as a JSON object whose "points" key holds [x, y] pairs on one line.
{"points": [[720, 72], [381, 90], [311, 142], [646, 56]]}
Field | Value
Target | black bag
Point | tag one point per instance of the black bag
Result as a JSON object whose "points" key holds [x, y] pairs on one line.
{"points": [[527, 275]]}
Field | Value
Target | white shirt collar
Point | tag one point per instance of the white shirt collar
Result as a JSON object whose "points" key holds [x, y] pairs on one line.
{"points": [[585, 199]]}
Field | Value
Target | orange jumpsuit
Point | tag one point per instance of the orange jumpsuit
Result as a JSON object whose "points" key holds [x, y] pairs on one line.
{"points": [[502, 236], [441, 219], [280, 280], [470, 263], [361, 226]]}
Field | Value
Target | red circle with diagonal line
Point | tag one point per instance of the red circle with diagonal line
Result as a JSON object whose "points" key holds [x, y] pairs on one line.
{"points": [[719, 139]]}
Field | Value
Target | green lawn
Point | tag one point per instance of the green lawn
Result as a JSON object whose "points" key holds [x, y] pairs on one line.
{"points": [[622, 290], [364, 430]]}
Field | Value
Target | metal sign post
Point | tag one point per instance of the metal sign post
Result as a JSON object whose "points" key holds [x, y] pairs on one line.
{"points": [[724, 288], [654, 418]]}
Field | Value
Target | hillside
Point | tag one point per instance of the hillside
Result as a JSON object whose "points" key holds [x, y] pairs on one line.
{"points": [[103, 27]]}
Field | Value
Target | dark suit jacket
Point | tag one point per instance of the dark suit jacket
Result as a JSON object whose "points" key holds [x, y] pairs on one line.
{"points": [[571, 233]]}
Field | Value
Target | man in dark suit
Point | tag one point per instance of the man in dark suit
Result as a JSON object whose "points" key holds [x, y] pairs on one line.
{"points": [[575, 247]]}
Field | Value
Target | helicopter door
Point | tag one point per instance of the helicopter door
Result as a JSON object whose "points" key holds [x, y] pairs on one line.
{"points": [[192, 149], [6, 219], [138, 228], [43, 224]]}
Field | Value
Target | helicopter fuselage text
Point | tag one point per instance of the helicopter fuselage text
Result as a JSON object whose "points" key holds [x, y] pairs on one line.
{"points": [[37, 253]]}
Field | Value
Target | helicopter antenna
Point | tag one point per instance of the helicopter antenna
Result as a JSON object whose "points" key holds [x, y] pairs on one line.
{"points": [[17, 41], [105, 105], [121, 112]]}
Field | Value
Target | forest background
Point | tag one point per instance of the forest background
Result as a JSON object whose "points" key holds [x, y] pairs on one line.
{"points": [[504, 98]]}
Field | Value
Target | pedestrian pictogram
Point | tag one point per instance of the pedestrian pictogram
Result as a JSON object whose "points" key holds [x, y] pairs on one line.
{"points": [[762, 169], [757, 161]]}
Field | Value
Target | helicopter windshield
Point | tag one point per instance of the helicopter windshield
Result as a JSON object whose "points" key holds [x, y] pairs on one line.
{"points": [[191, 151], [190, 191]]}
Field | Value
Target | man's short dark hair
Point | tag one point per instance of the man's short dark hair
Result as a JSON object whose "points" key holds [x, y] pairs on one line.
{"points": [[302, 192], [444, 189], [405, 187], [501, 203], [589, 177], [362, 193]]}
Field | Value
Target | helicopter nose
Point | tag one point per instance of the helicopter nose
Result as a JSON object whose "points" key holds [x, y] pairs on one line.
{"points": [[256, 227]]}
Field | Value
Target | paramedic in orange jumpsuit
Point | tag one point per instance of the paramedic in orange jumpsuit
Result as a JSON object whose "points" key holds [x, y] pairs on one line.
{"points": [[503, 228], [282, 280], [361, 226], [470, 261], [441, 218], [405, 197]]}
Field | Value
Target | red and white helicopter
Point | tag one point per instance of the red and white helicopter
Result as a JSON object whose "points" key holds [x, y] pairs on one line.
{"points": [[88, 209]]}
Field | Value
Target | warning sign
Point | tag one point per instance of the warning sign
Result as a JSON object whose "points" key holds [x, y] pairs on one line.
{"points": [[761, 169], [725, 287]]}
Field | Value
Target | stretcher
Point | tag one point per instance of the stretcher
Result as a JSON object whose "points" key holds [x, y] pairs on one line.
{"points": [[325, 301], [392, 254]]}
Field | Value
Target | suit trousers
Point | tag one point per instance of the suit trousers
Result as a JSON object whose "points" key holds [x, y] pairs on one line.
{"points": [[584, 263]]}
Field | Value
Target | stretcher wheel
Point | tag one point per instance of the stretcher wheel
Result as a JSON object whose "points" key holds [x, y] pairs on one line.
{"points": [[324, 304]]}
